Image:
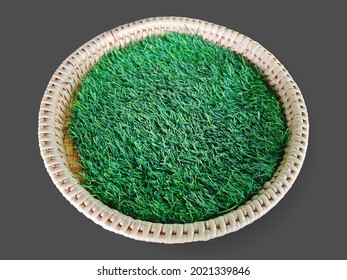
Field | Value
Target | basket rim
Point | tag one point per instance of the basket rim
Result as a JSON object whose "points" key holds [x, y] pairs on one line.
{"points": [[68, 77]]}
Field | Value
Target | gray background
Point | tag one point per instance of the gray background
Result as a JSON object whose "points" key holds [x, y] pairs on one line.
{"points": [[38, 223]]}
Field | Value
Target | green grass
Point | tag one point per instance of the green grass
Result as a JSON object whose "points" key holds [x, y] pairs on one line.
{"points": [[174, 129]]}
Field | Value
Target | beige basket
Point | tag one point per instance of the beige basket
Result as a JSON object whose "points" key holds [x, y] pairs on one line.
{"points": [[60, 158]]}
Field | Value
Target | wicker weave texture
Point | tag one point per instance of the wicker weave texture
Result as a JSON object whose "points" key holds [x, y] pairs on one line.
{"points": [[60, 158]]}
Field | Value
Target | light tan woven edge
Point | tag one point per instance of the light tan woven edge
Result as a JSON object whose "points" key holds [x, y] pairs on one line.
{"points": [[67, 78]]}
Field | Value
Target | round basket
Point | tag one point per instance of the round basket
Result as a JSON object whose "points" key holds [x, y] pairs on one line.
{"points": [[60, 158]]}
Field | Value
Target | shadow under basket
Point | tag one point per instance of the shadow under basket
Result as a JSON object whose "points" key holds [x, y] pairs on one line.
{"points": [[60, 157]]}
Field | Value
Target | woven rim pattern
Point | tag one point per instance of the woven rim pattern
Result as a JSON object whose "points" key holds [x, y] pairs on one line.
{"points": [[56, 106]]}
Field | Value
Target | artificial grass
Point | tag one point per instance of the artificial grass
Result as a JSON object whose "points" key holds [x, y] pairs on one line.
{"points": [[175, 129]]}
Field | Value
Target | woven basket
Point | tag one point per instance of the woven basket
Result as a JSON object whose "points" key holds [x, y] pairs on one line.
{"points": [[60, 158]]}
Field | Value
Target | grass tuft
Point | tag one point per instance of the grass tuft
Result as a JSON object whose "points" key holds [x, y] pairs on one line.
{"points": [[175, 129]]}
